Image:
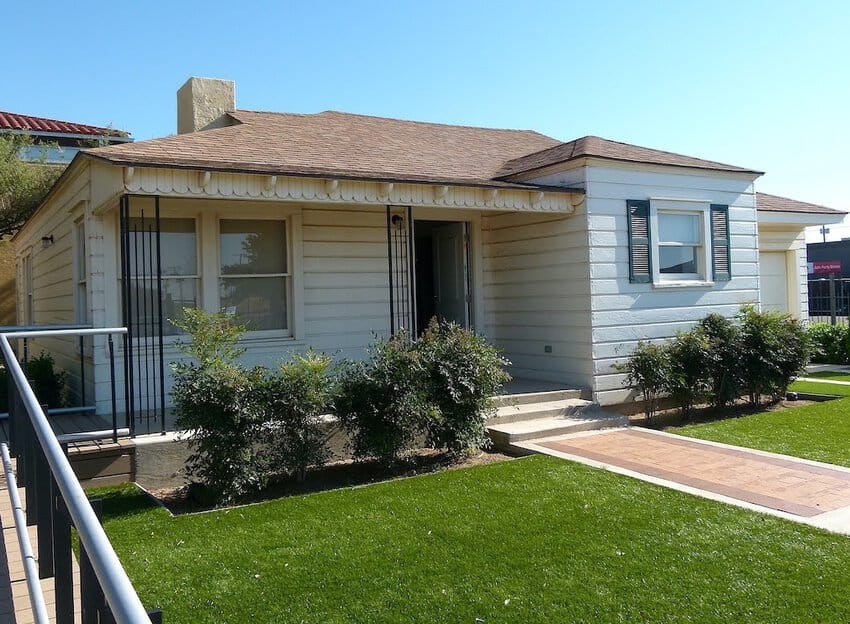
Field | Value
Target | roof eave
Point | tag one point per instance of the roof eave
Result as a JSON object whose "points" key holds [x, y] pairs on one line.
{"points": [[329, 174], [802, 219]]}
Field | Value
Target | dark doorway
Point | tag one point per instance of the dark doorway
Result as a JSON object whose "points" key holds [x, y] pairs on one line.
{"points": [[441, 272]]}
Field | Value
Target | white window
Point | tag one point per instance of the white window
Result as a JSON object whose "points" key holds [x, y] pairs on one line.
{"points": [[178, 249], [254, 279], [681, 241], [81, 313], [26, 277]]}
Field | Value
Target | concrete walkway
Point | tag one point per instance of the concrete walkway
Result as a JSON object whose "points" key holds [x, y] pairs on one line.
{"points": [[804, 491]]}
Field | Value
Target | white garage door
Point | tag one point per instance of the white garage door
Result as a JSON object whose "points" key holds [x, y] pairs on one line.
{"points": [[774, 281]]}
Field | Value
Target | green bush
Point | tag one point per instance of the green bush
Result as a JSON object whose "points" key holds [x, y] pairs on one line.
{"points": [[217, 402], [774, 349], [462, 372], [648, 371], [723, 367], [49, 385], [830, 343], [295, 398], [382, 402], [688, 359]]}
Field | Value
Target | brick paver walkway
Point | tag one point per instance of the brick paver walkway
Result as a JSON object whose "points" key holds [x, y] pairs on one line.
{"points": [[784, 484]]}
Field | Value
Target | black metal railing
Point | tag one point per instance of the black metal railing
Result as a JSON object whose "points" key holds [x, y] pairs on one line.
{"points": [[21, 336], [829, 300], [56, 502]]}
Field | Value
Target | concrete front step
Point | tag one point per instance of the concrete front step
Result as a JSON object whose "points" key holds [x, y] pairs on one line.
{"points": [[524, 398], [505, 435], [564, 407]]}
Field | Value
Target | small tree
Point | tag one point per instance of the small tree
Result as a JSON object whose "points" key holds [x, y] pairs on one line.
{"points": [[383, 402], [688, 360], [218, 404], [462, 374], [648, 371], [23, 185], [723, 365], [295, 399], [774, 349]]}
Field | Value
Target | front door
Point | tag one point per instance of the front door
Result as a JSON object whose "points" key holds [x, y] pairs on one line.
{"points": [[450, 273]]}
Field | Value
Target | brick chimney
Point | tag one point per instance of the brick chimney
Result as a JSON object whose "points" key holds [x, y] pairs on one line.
{"points": [[202, 102]]}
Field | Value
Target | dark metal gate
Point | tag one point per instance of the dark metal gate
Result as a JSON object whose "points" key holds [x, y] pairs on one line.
{"points": [[401, 270], [141, 300]]}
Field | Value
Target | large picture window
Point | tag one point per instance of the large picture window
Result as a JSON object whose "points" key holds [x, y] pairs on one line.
{"points": [[179, 261], [254, 273]]}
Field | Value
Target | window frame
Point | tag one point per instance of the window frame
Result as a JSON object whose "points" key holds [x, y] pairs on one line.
{"points": [[197, 276], [698, 208], [288, 276], [81, 295]]}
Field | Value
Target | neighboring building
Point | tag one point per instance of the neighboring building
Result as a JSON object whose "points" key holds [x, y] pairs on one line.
{"points": [[782, 250], [323, 230], [57, 142]]}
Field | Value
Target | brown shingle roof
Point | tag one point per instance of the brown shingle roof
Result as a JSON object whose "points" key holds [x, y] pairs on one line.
{"points": [[592, 146], [332, 144], [774, 203]]}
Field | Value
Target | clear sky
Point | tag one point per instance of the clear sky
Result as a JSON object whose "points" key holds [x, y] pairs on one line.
{"points": [[764, 85]]}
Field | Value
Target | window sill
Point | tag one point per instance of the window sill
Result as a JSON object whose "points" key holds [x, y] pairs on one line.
{"points": [[683, 284]]}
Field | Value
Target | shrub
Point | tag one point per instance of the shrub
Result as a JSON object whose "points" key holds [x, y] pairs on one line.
{"points": [[830, 343], [774, 349], [295, 399], [48, 384], [382, 402], [688, 362], [648, 371], [723, 368], [217, 402], [462, 372]]}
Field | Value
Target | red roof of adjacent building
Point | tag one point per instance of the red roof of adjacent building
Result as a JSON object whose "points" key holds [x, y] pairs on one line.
{"points": [[27, 123]]}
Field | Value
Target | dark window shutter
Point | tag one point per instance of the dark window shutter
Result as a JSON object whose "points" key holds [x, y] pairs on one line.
{"points": [[721, 262], [640, 263]]}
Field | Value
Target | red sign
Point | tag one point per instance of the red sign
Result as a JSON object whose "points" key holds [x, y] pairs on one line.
{"points": [[826, 267]]}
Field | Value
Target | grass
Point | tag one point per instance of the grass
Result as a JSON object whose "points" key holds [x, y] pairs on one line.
{"points": [[533, 540], [830, 375], [819, 431]]}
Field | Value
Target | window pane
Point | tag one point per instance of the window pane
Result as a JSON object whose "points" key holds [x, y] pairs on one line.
{"points": [[258, 302], [176, 295], [677, 259], [252, 247], [679, 228], [177, 246]]}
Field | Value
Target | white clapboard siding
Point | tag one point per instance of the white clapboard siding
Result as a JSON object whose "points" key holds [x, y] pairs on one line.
{"points": [[536, 294], [53, 277], [623, 313]]}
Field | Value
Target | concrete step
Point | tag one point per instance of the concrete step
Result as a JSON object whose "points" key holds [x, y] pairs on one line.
{"points": [[504, 435], [525, 398], [539, 409]]}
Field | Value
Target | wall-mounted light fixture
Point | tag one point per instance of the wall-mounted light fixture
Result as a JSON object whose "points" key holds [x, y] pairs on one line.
{"points": [[46, 241]]}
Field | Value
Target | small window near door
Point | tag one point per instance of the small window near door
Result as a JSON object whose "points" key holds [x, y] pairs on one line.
{"points": [[254, 276], [680, 244], [27, 312]]}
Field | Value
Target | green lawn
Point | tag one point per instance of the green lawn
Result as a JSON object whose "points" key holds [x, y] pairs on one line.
{"points": [[817, 387], [829, 375], [820, 431], [532, 540]]}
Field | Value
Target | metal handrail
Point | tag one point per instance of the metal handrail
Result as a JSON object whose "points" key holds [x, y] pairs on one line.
{"points": [[117, 589], [36, 594]]}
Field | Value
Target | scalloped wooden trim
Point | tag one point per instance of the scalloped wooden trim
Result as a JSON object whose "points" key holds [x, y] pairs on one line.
{"points": [[186, 183]]}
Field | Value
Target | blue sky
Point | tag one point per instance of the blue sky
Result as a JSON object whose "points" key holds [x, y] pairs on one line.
{"points": [[758, 84]]}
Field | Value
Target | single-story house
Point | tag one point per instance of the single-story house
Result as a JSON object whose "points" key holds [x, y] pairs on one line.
{"points": [[323, 230]]}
